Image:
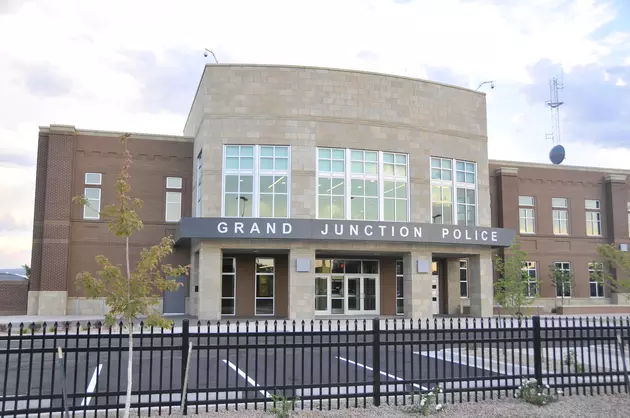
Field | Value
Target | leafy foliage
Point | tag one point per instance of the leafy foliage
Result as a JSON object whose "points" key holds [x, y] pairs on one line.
{"points": [[531, 392], [618, 260], [511, 287], [561, 279], [27, 270]]}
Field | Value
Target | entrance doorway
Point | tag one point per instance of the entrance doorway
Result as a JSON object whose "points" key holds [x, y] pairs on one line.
{"points": [[347, 294], [435, 286]]}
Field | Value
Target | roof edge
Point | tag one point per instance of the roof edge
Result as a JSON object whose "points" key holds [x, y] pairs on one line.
{"points": [[96, 132], [524, 164]]}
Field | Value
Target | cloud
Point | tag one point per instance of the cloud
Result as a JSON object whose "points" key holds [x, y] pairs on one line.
{"points": [[98, 68], [596, 100]]}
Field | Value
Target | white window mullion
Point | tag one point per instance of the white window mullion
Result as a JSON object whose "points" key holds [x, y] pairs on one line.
{"points": [[381, 190], [454, 191], [256, 185], [348, 181]]}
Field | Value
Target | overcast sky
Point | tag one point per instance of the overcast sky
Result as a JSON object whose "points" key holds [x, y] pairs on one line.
{"points": [[135, 65]]}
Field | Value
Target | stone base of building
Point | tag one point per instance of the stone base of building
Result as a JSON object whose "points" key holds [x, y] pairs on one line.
{"points": [[47, 303]]}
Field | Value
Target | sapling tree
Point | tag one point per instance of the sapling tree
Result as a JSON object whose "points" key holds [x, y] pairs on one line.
{"points": [[562, 280], [618, 260], [513, 287], [130, 293]]}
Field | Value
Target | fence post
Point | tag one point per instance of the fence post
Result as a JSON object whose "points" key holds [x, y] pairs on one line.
{"points": [[376, 354], [537, 350], [185, 343]]}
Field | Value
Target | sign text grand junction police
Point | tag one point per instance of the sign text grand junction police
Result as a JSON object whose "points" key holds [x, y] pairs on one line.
{"points": [[321, 229]]}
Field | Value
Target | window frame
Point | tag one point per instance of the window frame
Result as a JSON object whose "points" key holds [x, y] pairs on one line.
{"points": [[400, 292], [555, 263], [173, 191], [527, 207], [596, 212], [455, 186], [88, 185], [233, 274], [591, 270], [256, 173], [527, 267], [273, 284], [347, 176], [557, 211], [467, 281]]}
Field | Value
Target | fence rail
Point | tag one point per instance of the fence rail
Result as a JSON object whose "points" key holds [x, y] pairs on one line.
{"points": [[323, 364]]}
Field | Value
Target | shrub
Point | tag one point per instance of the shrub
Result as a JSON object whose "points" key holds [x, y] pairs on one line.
{"points": [[531, 392], [427, 402]]}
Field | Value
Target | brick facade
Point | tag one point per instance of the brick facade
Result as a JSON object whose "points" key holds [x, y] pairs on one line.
{"points": [[13, 297]]}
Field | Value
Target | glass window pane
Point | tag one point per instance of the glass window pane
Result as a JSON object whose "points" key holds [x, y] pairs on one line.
{"points": [[231, 151], [231, 184], [371, 156], [227, 306], [280, 207], [266, 205], [388, 157], [227, 286], [337, 187], [324, 166], [461, 177], [231, 163], [173, 182], [324, 207], [401, 171], [353, 266], [266, 163], [338, 154], [266, 184], [389, 210], [280, 185], [321, 286], [470, 196], [90, 212], [371, 168], [247, 163], [370, 267], [282, 151], [247, 184], [447, 213], [401, 210], [447, 175], [356, 208], [337, 207], [460, 165], [228, 265], [401, 190], [470, 167], [399, 270], [388, 169], [338, 167], [357, 167], [356, 187], [264, 306], [92, 193], [95, 178], [463, 289], [321, 303], [400, 306], [371, 209], [245, 205], [371, 188], [247, 151], [266, 151], [265, 265], [436, 173], [282, 164], [461, 195], [470, 215], [231, 205], [447, 164], [401, 159], [356, 155], [324, 153], [323, 185], [337, 266], [388, 189], [322, 266], [470, 178]]}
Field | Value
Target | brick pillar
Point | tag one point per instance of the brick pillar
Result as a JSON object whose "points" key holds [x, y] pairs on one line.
{"points": [[507, 200], [55, 228], [617, 221], [417, 285]]}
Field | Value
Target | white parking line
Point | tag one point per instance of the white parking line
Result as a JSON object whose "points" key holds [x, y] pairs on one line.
{"points": [[92, 385], [244, 376], [391, 376]]}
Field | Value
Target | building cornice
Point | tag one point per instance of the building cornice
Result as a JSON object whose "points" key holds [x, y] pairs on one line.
{"points": [[70, 129]]}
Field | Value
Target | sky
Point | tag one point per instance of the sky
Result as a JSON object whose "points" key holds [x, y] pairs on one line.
{"points": [[134, 66]]}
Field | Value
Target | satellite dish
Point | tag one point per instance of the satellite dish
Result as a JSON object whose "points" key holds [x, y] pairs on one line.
{"points": [[557, 154]]}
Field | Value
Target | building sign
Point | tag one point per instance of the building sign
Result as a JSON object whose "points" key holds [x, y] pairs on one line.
{"points": [[322, 229]]}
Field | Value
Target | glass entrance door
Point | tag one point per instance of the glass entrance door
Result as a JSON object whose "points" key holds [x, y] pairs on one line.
{"points": [[346, 295], [354, 294]]}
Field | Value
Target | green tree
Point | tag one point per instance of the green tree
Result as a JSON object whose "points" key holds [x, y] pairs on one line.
{"points": [[618, 260], [514, 287], [27, 270], [562, 280], [130, 293]]}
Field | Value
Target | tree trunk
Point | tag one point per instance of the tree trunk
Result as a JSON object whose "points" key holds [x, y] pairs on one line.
{"points": [[129, 369]]}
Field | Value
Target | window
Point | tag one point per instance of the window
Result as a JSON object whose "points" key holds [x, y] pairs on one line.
{"points": [[463, 278], [629, 217], [92, 208], [256, 181], [265, 281], [529, 268], [563, 287], [228, 286], [560, 215], [526, 214], [445, 188], [595, 270], [173, 199], [400, 293], [198, 212], [593, 218], [362, 185]]}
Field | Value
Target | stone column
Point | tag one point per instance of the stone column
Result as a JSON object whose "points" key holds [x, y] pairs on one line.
{"points": [[453, 291], [417, 285], [481, 284], [301, 283], [209, 281]]}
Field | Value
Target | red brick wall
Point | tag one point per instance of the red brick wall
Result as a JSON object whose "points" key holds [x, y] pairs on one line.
{"points": [[13, 297]]}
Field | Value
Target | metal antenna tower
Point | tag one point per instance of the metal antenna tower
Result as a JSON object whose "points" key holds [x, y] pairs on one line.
{"points": [[554, 104]]}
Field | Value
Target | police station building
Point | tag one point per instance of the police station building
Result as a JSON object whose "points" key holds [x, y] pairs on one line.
{"points": [[295, 192]]}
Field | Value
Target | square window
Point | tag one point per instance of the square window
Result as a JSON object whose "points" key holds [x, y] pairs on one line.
{"points": [[526, 201], [173, 182], [93, 179]]}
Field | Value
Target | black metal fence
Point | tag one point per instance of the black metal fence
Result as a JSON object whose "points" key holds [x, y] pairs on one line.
{"points": [[319, 364]]}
